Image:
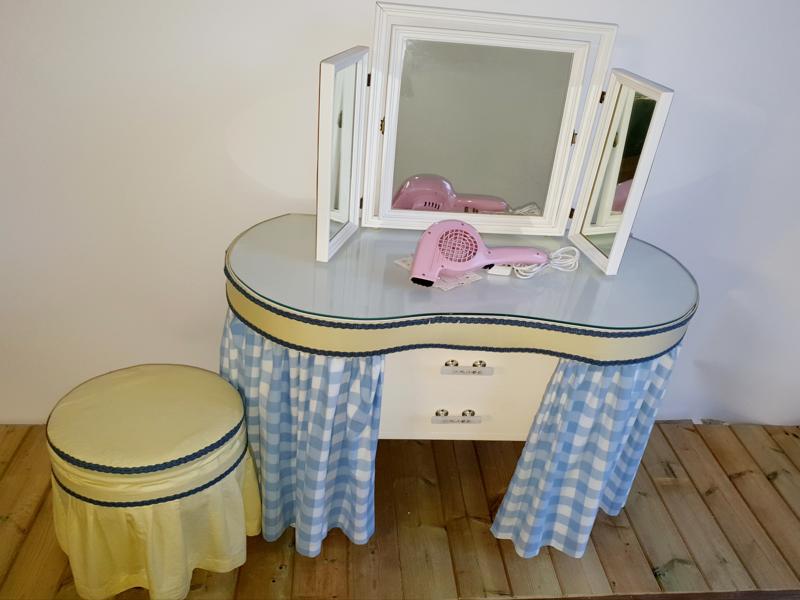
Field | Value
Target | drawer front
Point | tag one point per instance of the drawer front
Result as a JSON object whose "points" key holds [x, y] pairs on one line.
{"points": [[505, 401]]}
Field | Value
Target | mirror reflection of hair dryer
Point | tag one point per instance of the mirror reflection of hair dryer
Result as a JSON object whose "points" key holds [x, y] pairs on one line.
{"points": [[435, 193], [452, 247]]}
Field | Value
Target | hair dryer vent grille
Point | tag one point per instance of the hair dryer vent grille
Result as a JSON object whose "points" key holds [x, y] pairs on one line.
{"points": [[458, 245]]}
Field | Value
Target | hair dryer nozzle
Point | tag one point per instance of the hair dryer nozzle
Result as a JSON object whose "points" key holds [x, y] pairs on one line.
{"points": [[422, 282]]}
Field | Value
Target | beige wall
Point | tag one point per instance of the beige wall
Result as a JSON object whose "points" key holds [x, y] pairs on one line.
{"points": [[138, 137], [136, 140]]}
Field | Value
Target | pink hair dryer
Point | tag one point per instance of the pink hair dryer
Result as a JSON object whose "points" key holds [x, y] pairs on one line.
{"points": [[451, 247], [431, 192]]}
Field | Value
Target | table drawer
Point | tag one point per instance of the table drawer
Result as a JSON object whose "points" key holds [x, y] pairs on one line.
{"points": [[504, 401]]}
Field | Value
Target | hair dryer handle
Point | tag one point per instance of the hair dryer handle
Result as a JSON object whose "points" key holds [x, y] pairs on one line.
{"points": [[517, 255], [476, 203]]}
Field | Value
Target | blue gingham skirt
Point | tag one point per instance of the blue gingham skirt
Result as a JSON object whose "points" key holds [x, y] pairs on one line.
{"points": [[582, 453], [312, 424]]}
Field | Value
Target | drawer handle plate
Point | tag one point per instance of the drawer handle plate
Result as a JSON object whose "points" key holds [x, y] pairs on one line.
{"points": [[467, 370], [457, 420]]}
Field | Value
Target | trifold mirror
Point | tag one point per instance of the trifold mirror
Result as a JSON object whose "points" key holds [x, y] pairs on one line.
{"points": [[619, 164], [484, 115]]}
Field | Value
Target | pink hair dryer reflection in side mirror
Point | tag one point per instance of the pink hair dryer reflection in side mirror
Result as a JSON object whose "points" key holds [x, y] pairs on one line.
{"points": [[452, 247], [431, 192]]}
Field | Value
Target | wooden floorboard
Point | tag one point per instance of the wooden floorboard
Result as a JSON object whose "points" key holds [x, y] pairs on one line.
{"points": [[742, 595], [712, 552], [268, 571], [672, 564], [773, 462], [10, 438], [581, 576], [758, 552], [38, 567], [324, 576], [788, 438], [714, 512], [426, 565], [763, 500], [22, 490], [622, 557], [477, 561]]}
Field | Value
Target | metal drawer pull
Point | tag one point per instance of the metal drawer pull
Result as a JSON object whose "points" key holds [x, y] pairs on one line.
{"points": [[467, 417], [478, 368]]}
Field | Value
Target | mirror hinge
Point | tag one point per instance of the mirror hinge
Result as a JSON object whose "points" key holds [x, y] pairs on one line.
{"points": [[369, 79], [574, 137], [571, 213], [383, 123], [361, 202], [602, 97]]}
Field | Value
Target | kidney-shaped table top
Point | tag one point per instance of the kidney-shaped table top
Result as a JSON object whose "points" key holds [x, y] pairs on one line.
{"points": [[362, 303]]}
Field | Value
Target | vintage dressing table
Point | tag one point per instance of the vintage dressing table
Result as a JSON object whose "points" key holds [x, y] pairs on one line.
{"points": [[505, 123]]}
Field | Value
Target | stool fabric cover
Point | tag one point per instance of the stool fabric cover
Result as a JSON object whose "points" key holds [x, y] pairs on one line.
{"points": [[151, 479]]}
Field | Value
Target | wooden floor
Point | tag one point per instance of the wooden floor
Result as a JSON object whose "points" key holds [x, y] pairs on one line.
{"points": [[714, 508]]}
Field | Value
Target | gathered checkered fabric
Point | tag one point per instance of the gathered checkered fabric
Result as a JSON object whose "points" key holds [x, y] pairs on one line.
{"points": [[313, 420], [582, 453], [312, 425]]}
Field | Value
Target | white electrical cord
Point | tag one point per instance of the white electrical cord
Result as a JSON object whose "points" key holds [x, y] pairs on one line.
{"points": [[563, 259]]}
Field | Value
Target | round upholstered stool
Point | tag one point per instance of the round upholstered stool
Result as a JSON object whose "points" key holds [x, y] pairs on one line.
{"points": [[151, 479]]}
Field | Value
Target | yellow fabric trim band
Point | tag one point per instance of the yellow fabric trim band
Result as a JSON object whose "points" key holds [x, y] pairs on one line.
{"points": [[326, 335]]}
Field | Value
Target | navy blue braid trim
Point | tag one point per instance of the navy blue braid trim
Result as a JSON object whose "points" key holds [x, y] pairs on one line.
{"points": [[382, 351], [161, 500], [146, 468], [459, 320]]}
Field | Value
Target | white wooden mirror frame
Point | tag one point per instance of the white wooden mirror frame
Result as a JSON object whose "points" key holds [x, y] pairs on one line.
{"points": [[663, 96], [327, 245], [590, 44]]}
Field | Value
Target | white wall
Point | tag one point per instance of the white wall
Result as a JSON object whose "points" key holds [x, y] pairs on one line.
{"points": [[137, 138]]}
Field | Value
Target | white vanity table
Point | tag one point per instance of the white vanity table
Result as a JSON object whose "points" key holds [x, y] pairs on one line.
{"points": [[465, 124], [361, 303]]}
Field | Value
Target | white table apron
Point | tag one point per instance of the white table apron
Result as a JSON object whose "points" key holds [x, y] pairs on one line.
{"points": [[305, 342]]}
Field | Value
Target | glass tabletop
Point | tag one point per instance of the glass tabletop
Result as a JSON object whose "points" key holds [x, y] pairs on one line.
{"points": [[276, 261]]}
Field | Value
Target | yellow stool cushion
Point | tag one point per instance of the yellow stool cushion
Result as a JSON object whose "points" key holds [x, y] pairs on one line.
{"points": [[151, 479], [147, 414]]}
